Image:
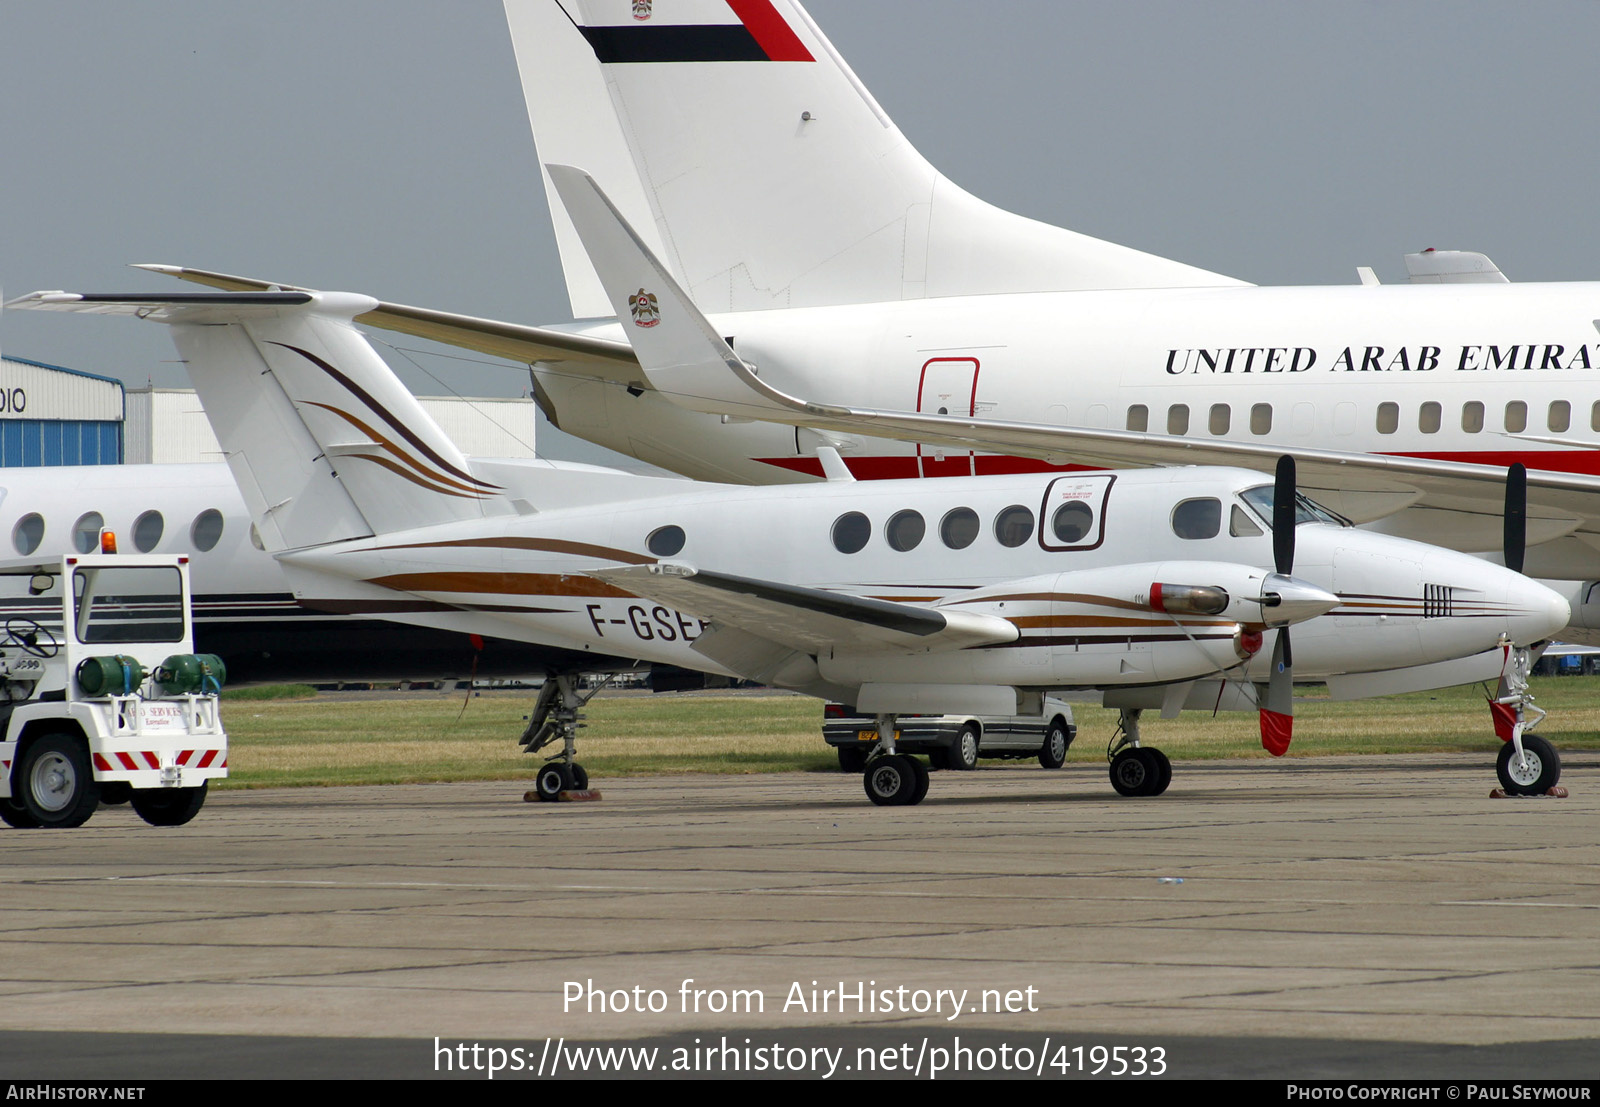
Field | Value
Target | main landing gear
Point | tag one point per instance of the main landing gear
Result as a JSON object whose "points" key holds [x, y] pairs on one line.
{"points": [[1528, 765], [1136, 770], [558, 715], [893, 779]]}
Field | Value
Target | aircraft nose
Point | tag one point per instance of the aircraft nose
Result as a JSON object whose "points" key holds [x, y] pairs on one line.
{"points": [[1534, 612]]}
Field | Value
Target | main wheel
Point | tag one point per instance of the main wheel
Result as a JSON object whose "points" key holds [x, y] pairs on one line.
{"points": [[1053, 754], [852, 759], [15, 814], [551, 780], [963, 752], [1533, 777], [1134, 773], [1163, 770], [168, 806], [58, 785], [890, 781], [115, 792]]}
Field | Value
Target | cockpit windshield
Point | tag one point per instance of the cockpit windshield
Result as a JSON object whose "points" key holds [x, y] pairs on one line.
{"points": [[1306, 510]]}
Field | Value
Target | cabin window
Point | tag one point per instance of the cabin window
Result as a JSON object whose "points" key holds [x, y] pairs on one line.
{"points": [[147, 530], [1261, 419], [1429, 417], [206, 531], [28, 533], [959, 528], [1240, 525], [1221, 418], [1516, 416], [1072, 521], [851, 531], [1138, 418], [1178, 419], [905, 530], [1594, 416], [1200, 518], [86, 532], [1013, 526], [1472, 416], [1388, 418], [665, 541], [1560, 416]]}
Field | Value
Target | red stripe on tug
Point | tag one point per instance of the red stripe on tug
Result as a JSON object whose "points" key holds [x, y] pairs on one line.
{"points": [[769, 30], [1276, 730]]}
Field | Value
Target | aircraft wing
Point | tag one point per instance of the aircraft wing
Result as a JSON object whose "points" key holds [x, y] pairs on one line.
{"points": [[601, 358], [810, 620]]}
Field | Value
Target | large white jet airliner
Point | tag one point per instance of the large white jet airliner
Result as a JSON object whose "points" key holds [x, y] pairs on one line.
{"points": [[853, 275]]}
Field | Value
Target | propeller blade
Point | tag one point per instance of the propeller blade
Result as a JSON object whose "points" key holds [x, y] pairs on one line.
{"points": [[1283, 514], [1516, 540], [1277, 712]]}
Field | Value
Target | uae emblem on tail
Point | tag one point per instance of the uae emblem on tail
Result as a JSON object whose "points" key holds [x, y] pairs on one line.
{"points": [[641, 9], [643, 306]]}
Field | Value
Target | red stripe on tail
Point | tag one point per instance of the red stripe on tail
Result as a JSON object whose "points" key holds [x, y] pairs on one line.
{"points": [[770, 31]]}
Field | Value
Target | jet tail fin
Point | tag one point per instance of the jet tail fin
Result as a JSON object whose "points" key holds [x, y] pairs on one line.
{"points": [[324, 440], [758, 167]]}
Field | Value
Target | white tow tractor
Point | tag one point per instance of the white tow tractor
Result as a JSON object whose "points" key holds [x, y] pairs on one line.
{"points": [[102, 698]]}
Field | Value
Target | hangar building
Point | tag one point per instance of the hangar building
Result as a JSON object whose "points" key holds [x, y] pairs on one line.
{"points": [[55, 416]]}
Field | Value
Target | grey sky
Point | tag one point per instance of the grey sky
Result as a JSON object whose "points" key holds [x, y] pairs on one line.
{"points": [[381, 146]]}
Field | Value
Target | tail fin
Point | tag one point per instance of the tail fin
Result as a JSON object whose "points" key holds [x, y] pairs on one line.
{"points": [[762, 172], [324, 440]]}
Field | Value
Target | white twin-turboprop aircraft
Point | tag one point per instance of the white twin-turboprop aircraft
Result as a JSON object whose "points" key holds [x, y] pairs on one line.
{"points": [[1159, 588]]}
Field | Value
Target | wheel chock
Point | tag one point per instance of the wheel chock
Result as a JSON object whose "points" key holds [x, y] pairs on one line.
{"points": [[1554, 792]]}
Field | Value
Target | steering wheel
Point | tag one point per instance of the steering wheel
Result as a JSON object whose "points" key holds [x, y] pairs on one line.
{"points": [[25, 633]]}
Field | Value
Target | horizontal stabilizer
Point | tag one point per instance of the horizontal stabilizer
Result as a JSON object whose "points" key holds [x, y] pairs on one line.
{"points": [[323, 439], [603, 358], [809, 619]]}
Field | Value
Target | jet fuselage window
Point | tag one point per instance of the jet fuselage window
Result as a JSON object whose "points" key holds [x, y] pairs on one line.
{"points": [[1261, 419], [1221, 418], [1516, 417], [959, 528], [1594, 416], [86, 532], [1430, 416], [851, 532], [1198, 518], [1138, 418], [1072, 521], [665, 541], [1388, 418], [1472, 416], [28, 533], [905, 530], [206, 531], [147, 530], [1013, 526], [1178, 419], [1560, 417]]}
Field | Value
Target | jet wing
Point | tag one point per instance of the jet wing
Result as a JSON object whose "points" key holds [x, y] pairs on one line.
{"points": [[810, 620], [602, 358], [1451, 503]]}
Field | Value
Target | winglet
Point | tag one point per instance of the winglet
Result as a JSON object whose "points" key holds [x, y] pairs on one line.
{"points": [[682, 354]]}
